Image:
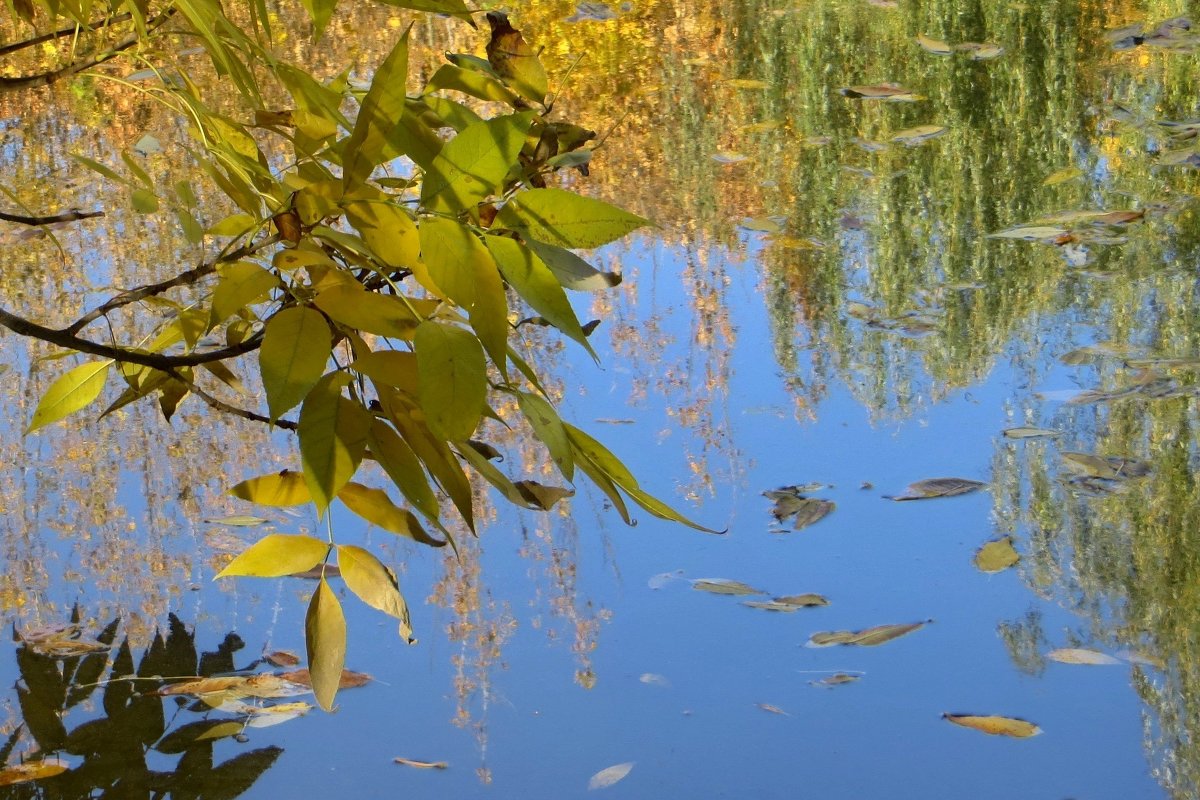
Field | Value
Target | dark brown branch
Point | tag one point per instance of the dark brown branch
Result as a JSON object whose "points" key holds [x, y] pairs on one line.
{"points": [[185, 278], [64, 338], [47, 78], [61, 33], [69, 216], [226, 408]]}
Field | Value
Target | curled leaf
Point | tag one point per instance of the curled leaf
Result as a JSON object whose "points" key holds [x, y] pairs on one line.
{"points": [[995, 726]]}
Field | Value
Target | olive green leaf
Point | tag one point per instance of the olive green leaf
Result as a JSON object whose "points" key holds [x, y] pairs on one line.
{"points": [[997, 556], [474, 163], [403, 467], [566, 219], [72, 391], [381, 107], [241, 284], [453, 379], [325, 640], [276, 555], [333, 437], [549, 429], [296, 345]]}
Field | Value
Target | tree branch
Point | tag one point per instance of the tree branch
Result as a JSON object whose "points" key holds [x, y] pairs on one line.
{"points": [[60, 33], [222, 406], [69, 216]]}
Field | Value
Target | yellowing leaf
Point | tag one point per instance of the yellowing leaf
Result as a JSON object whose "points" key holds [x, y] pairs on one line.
{"points": [[409, 762], [241, 284], [1079, 655], [30, 771], [1062, 176], [388, 230], [880, 91], [333, 436], [325, 639], [381, 108], [375, 585], [276, 555], [610, 775], [1030, 433], [515, 60], [453, 379], [402, 466], [746, 83], [278, 489], [869, 637], [802, 600], [566, 219], [913, 137], [995, 726], [296, 345], [472, 165], [997, 556], [724, 586], [938, 487], [377, 508], [368, 312], [549, 429], [935, 46], [72, 391]]}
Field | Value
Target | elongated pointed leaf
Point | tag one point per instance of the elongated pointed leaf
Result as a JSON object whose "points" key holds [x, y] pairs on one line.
{"points": [[995, 726], [515, 60], [381, 108], [72, 391], [278, 489], [368, 312], [453, 379], [276, 555], [473, 164], [571, 270], [376, 507], [453, 8], [333, 435], [565, 219], [549, 428], [403, 467], [325, 640], [295, 349], [375, 585]]}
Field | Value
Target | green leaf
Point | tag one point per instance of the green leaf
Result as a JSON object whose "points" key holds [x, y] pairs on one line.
{"points": [[355, 307], [463, 268], [233, 225], [450, 77], [276, 555], [376, 507], [144, 201], [381, 108], [433, 452], [72, 391], [565, 219], [474, 163], [537, 286], [325, 640], [279, 489], [333, 437], [403, 467], [571, 270], [241, 284], [396, 368], [549, 429], [96, 166], [453, 379], [320, 11], [375, 585], [295, 349]]}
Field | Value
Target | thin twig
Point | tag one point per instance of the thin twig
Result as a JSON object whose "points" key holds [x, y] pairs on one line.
{"points": [[221, 405], [69, 216], [62, 32]]}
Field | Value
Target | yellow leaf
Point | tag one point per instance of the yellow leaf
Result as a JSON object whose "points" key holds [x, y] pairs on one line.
{"points": [[325, 638], [279, 489], [375, 585], [376, 507], [935, 46], [30, 771], [388, 230], [333, 436], [355, 307], [997, 556], [72, 391], [396, 368], [276, 555], [295, 348], [995, 726]]}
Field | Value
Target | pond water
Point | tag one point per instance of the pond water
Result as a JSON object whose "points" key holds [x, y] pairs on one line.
{"points": [[826, 302]]}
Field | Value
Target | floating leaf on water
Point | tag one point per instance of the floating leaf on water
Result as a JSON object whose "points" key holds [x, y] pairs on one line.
{"points": [[891, 92], [1030, 433], [597, 12], [724, 586], [1187, 156], [30, 771], [238, 521], [771, 605], [610, 775], [997, 556], [763, 224], [938, 487], [869, 637], [729, 157], [1080, 655], [935, 46], [663, 578], [996, 726], [837, 679], [1031, 233], [869, 145], [913, 137], [348, 680], [816, 141], [410, 762], [772, 709], [654, 679], [794, 243], [980, 51], [1143, 659], [746, 83], [1106, 467], [282, 658], [1062, 176], [801, 600], [760, 127]]}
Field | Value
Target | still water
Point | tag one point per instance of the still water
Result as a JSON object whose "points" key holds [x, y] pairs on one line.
{"points": [[825, 302]]}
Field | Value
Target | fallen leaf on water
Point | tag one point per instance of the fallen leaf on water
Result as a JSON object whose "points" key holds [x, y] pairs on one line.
{"points": [[610, 775], [938, 487], [1107, 467], [746, 83], [980, 51], [772, 709], [761, 224], [996, 726], [760, 127], [1030, 433], [349, 679], [282, 658], [1031, 233], [891, 92], [724, 586], [30, 771], [935, 46], [837, 679], [791, 503], [654, 679], [801, 600], [771, 605], [869, 637], [663, 578], [729, 157], [913, 137], [1062, 176], [997, 556], [1079, 655], [816, 141], [411, 762]]}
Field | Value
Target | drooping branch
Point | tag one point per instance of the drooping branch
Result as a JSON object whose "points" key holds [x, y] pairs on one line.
{"points": [[61, 33], [64, 338], [69, 216]]}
